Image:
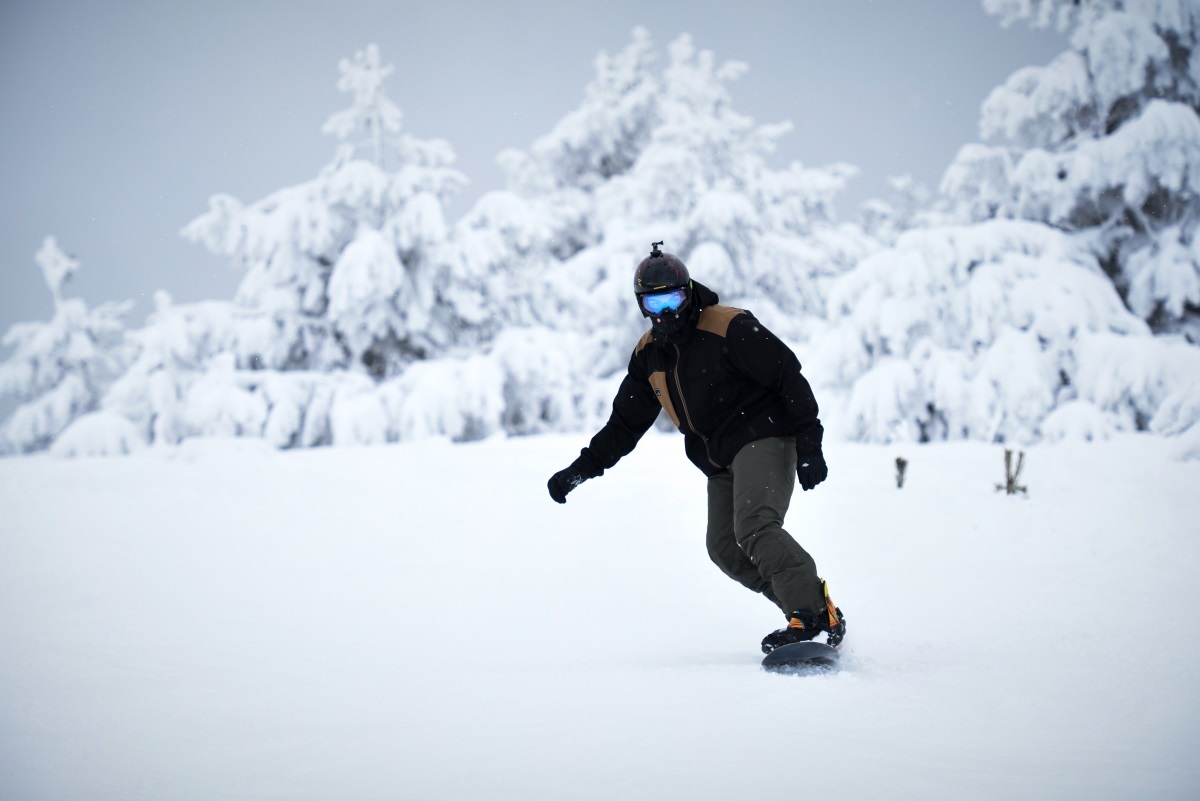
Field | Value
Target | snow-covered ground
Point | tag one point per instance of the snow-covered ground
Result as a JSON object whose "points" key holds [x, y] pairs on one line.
{"points": [[420, 621]]}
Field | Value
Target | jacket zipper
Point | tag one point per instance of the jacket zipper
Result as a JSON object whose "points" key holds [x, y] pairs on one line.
{"points": [[687, 416]]}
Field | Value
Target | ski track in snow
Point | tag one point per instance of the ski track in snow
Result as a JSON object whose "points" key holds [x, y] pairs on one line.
{"points": [[421, 621]]}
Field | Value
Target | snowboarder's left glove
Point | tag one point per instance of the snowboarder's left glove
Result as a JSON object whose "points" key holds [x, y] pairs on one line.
{"points": [[564, 481], [810, 462]]}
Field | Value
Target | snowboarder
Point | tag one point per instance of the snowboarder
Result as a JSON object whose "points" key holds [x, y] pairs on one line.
{"points": [[749, 421]]}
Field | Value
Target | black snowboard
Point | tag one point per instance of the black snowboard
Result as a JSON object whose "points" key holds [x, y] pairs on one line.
{"points": [[802, 657]]}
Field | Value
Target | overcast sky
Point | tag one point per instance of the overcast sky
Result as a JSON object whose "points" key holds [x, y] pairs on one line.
{"points": [[118, 120]]}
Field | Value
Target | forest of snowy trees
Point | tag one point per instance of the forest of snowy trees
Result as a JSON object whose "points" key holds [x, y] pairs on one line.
{"points": [[1050, 289]]}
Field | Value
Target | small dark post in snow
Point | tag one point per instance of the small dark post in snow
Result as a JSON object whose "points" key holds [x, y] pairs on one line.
{"points": [[1011, 476], [901, 464]]}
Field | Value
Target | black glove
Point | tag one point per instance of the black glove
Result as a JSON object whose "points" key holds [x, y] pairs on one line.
{"points": [[810, 462], [564, 481]]}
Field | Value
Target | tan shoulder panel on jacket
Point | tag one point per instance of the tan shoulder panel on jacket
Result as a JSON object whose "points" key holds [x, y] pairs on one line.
{"points": [[644, 341], [716, 319]]}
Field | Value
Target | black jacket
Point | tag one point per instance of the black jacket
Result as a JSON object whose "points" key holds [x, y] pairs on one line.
{"points": [[725, 382]]}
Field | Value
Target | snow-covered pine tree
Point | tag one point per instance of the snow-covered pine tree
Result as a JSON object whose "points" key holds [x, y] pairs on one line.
{"points": [[177, 346], [651, 153], [659, 153], [346, 271], [185, 383], [1104, 141], [967, 331], [762, 237], [372, 113], [548, 214], [1011, 329], [59, 369], [360, 302]]}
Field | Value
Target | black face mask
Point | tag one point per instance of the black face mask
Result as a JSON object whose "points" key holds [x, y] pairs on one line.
{"points": [[672, 324]]}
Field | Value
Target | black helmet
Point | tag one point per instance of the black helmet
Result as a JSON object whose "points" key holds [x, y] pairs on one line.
{"points": [[660, 272], [663, 278]]}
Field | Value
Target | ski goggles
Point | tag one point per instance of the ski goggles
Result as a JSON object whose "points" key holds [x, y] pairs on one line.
{"points": [[661, 302]]}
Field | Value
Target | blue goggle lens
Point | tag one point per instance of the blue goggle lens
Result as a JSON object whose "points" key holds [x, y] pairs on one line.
{"points": [[664, 301]]}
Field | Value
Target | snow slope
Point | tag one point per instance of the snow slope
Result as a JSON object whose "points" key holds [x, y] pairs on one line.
{"points": [[420, 621]]}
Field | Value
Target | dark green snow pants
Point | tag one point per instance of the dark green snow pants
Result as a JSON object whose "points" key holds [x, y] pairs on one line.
{"points": [[746, 506]]}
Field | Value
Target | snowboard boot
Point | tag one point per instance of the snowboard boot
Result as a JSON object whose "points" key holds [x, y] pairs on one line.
{"points": [[803, 626]]}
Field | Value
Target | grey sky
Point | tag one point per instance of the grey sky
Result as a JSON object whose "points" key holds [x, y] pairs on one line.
{"points": [[118, 120]]}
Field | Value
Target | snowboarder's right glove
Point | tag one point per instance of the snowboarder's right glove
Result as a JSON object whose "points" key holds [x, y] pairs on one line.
{"points": [[811, 469], [564, 481]]}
